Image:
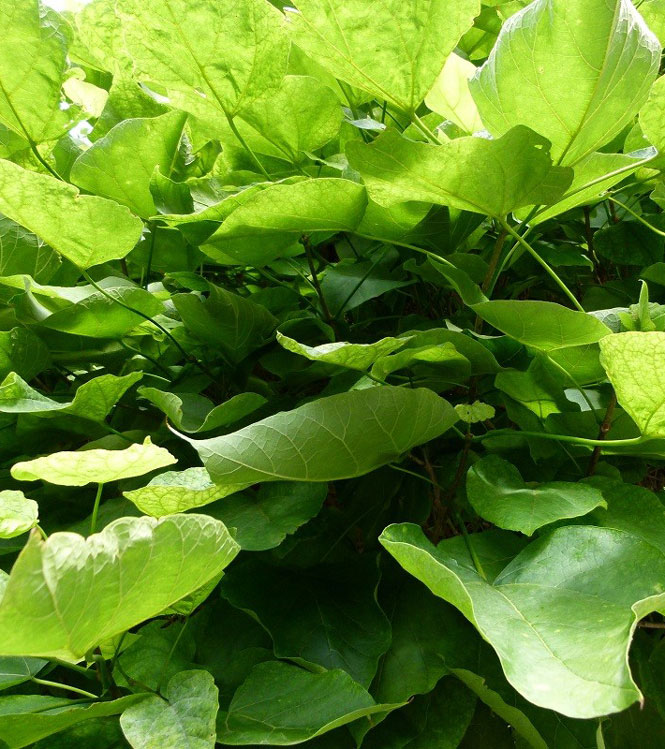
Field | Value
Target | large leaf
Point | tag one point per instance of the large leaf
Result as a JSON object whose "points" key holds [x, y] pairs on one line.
{"points": [[67, 594], [634, 363], [281, 705], [185, 719], [499, 494], [31, 70], [527, 78], [18, 514], [98, 465], [557, 605], [339, 623], [473, 174], [393, 50], [331, 438], [212, 61], [86, 229], [358, 356], [121, 164]]}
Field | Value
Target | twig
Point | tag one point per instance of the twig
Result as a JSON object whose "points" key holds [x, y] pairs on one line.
{"points": [[602, 434], [304, 240]]}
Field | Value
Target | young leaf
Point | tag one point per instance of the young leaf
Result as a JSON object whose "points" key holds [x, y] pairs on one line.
{"points": [[18, 514], [94, 466], [85, 229], [634, 362], [178, 491], [393, 50], [476, 412], [498, 493], [473, 174], [344, 435], [186, 718], [551, 659], [359, 356], [67, 594], [121, 164], [526, 79], [282, 704]]}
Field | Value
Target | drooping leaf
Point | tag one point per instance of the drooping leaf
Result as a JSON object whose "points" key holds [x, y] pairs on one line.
{"points": [[473, 174], [195, 413], [178, 491], [498, 493], [18, 514], [185, 718], [394, 50], [527, 78], [633, 362], [67, 594], [359, 356], [281, 704], [219, 60], [86, 229], [92, 400], [121, 164], [345, 435], [98, 465]]}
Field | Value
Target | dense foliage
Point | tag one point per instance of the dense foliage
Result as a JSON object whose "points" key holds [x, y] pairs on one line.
{"points": [[332, 405]]}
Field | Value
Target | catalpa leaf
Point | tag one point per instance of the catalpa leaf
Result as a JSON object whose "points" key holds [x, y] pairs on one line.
{"points": [[472, 174], [94, 466], [393, 50], [185, 718], [443, 359], [86, 229], [634, 362], [498, 493], [450, 96], [359, 356], [121, 164], [17, 670], [280, 704], [92, 400], [67, 594], [475, 412], [527, 78], [178, 491], [219, 60], [555, 607], [23, 352], [18, 514], [331, 438]]}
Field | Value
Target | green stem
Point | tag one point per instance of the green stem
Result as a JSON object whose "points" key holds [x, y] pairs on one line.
{"points": [[67, 687], [247, 148], [576, 385], [469, 547], [420, 125], [95, 509], [562, 438], [544, 265], [151, 248], [637, 216], [73, 667]]}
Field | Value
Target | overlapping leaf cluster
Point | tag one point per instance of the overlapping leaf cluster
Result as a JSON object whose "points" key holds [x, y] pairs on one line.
{"points": [[332, 407]]}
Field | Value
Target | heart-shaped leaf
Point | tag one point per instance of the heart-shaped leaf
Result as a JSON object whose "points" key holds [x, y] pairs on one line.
{"points": [[18, 514]]}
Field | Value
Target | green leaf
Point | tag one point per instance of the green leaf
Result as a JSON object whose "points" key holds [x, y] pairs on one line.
{"points": [[634, 362], [553, 609], [450, 96], [498, 493], [527, 78], [85, 229], [345, 435], [16, 670], [18, 514], [393, 50], [93, 400], [543, 325], [121, 164], [219, 61], [279, 704], [94, 466], [23, 252], [259, 230], [359, 356], [443, 359], [195, 413], [262, 519], [339, 623], [31, 71], [26, 718], [476, 412], [300, 117], [23, 352], [67, 594], [233, 324], [186, 718], [473, 174], [178, 491]]}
